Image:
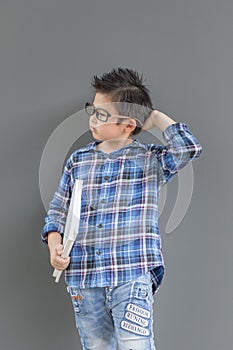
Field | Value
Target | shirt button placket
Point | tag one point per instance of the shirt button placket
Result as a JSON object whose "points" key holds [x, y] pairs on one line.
{"points": [[99, 251]]}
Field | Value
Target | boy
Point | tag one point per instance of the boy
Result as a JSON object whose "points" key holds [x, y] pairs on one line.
{"points": [[116, 264]]}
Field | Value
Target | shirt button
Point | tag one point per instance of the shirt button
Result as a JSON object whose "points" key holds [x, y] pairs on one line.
{"points": [[106, 177], [98, 252], [103, 200], [100, 226]]}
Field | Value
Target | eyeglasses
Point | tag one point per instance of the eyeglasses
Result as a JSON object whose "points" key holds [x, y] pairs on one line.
{"points": [[102, 114]]}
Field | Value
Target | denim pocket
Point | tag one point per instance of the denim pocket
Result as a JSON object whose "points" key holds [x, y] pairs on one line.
{"points": [[141, 290], [77, 301]]}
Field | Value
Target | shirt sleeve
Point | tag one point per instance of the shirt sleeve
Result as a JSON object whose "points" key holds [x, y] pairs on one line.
{"points": [[58, 207], [182, 147]]}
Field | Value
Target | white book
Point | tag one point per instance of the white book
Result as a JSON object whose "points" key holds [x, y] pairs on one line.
{"points": [[72, 224]]}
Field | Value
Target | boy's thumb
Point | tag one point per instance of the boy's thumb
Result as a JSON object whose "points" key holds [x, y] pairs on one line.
{"points": [[59, 250]]}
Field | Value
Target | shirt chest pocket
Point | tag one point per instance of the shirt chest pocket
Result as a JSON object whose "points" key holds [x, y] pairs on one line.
{"points": [[115, 186]]}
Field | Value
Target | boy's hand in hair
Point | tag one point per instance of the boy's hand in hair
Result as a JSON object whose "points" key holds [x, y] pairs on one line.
{"points": [[150, 121], [158, 119]]}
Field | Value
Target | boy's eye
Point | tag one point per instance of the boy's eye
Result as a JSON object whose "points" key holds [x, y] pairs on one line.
{"points": [[102, 113]]}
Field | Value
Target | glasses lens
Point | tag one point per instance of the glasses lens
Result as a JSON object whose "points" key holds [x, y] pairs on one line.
{"points": [[89, 108], [102, 115]]}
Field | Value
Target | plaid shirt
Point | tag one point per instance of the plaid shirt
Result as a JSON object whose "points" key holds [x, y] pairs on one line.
{"points": [[118, 237]]}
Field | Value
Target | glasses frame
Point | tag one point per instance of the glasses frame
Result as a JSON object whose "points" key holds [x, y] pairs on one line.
{"points": [[96, 111]]}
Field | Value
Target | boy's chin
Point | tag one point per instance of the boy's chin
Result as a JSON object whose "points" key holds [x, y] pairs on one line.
{"points": [[96, 137]]}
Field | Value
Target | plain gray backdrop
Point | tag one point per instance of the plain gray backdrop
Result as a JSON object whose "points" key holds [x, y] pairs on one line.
{"points": [[49, 52]]}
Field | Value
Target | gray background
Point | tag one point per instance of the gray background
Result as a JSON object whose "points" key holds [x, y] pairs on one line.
{"points": [[49, 52]]}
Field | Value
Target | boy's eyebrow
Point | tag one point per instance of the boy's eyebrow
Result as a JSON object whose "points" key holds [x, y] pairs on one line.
{"points": [[100, 106]]}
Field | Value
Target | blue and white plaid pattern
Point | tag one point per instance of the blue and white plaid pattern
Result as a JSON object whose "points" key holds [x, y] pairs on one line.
{"points": [[118, 238]]}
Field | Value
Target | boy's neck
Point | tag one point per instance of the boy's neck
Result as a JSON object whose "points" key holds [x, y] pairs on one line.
{"points": [[109, 146]]}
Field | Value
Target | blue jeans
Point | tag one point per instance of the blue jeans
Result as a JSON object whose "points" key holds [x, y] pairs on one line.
{"points": [[123, 315]]}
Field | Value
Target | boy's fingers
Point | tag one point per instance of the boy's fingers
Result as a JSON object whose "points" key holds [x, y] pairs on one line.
{"points": [[61, 263], [62, 260], [56, 260], [59, 249]]}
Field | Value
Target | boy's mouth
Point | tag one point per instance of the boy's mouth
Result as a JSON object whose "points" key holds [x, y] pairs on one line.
{"points": [[93, 129]]}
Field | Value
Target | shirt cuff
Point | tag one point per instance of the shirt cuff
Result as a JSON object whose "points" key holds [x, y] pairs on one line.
{"points": [[50, 228], [173, 129]]}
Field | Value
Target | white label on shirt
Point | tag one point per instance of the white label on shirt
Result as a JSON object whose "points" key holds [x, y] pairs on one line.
{"points": [[136, 319], [138, 310], [134, 328]]}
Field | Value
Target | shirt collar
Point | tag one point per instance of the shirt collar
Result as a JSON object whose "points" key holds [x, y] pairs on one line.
{"points": [[92, 145]]}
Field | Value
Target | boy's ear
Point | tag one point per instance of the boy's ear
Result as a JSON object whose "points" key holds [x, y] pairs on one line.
{"points": [[131, 124]]}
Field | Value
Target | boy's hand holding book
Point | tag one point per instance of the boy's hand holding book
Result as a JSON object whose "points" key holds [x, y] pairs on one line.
{"points": [[56, 249]]}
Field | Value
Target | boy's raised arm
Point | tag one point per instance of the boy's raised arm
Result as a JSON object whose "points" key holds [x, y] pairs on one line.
{"points": [[182, 146]]}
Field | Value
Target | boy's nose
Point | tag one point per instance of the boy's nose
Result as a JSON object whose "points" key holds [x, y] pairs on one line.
{"points": [[93, 119]]}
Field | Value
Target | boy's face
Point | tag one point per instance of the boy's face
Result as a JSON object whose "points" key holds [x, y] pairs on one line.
{"points": [[108, 130]]}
